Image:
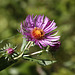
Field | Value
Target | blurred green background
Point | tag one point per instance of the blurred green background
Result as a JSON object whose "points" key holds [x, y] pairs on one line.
{"points": [[13, 12]]}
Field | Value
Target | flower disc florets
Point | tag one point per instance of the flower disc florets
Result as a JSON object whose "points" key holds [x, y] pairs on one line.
{"points": [[39, 30], [37, 33]]}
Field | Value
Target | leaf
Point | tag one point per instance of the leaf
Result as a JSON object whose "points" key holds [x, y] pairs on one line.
{"points": [[23, 44], [4, 63], [41, 61], [1, 41], [8, 40]]}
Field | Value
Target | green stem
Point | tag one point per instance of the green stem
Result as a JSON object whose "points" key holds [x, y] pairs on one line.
{"points": [[26, 47]]}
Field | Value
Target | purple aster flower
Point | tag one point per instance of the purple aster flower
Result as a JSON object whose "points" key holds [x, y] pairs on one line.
{"points": [[39, 30]]}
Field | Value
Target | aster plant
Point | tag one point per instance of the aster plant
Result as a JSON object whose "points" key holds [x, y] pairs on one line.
{"points": [[37, 31]]}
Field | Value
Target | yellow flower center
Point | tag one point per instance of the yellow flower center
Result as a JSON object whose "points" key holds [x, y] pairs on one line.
{"points": [[37, 33]]}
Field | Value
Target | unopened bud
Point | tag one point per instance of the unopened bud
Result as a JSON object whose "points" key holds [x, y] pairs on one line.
{"points": [[10, 51]]}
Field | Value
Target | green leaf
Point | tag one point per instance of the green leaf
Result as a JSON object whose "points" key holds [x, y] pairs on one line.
{"points": [[1, 41], [8, 40], [41, 61], [4, 63], [23, 44]]}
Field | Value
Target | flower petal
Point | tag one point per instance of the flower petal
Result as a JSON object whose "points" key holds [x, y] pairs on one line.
{"points": [[53, 33], [50, 27], [39, 21], [42, 43], [53, 38], [39, 45], [45, 22], [47, 31]]}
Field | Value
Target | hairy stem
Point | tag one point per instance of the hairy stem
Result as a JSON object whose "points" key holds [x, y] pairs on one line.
{"points": [[34, 53], [26, 47]]}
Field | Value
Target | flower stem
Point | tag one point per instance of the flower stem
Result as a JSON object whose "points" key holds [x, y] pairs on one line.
{"points": [[34, 53], [26, 47]]}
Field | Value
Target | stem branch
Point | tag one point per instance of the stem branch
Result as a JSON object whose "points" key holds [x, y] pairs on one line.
{"points": [[26, 47]]}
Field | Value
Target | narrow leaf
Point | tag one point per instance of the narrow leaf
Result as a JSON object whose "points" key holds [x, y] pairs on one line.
{"points": [[41, 61], [4, 63], [23, 44]]}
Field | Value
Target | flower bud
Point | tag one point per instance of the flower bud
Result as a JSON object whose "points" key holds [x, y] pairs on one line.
{"points": [[10, 51]]}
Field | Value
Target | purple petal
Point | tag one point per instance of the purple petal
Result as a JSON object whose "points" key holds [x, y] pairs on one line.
{"points": [[50, 27], [35, 17], [56, 46], [47, 42], [47, 31], [27, 19], [35, 20], [53, 33], [50, 37], [53, 39], [48, 23], [45, 22], [31, 20], [39, 21], [42, 43]]}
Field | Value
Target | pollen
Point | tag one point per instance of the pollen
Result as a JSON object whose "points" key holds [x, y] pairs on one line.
{"points": [[37, 33]]}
